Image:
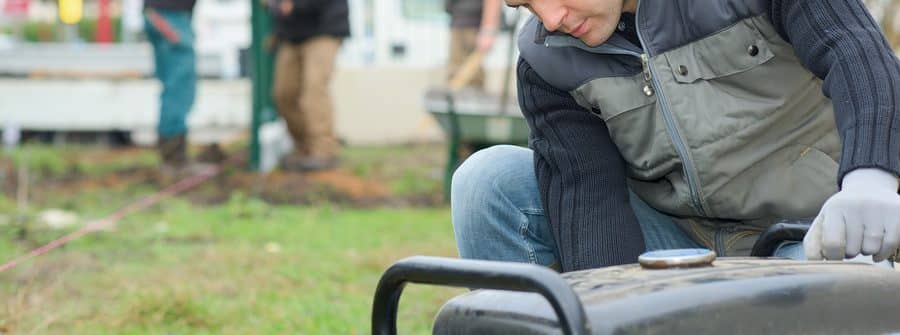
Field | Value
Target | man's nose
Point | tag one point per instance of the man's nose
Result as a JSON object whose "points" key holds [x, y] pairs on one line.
{"points": [[552, 15]]}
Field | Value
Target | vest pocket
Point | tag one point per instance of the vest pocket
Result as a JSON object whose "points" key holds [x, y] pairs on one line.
{"points": [[731, 51], [802, 187], [634, 123], [611, 97], [792, 183]]}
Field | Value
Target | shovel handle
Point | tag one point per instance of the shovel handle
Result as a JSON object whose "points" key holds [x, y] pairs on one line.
{"points": [[467, 70]]}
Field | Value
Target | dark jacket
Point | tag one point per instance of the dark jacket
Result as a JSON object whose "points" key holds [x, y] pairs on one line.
{"points": [[464, 13], [176, 5], [570, 96], [312, 18]]}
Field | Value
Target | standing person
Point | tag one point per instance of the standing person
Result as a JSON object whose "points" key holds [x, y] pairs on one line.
{"points": [[310, 33], [168, 27], [666, 124], [473, 27], [892, 24]]}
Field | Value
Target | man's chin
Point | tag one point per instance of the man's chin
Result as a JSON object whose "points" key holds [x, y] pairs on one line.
{"points": [[593, 40], [591, 43]]}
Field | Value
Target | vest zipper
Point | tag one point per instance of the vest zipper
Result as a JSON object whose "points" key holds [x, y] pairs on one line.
{"points": [[560, 41], [680, 145], [648, 76], [651, 87]]}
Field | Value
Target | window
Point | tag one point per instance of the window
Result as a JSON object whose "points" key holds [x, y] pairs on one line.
{"points": [[424, 10]]}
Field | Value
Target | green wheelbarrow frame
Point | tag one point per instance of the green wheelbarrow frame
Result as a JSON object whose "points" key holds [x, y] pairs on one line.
{"points": [[475, 119]]}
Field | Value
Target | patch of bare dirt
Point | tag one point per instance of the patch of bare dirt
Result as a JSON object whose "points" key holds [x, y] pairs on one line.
{"points": [[339, 186], [303, 188], [346, 183]]}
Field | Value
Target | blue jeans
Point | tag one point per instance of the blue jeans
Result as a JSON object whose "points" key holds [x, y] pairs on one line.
{"points": [[175, 67], [497, 213]]}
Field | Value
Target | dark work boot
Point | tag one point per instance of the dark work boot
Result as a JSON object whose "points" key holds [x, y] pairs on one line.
{"points": [[211, 154], [173, 150], [173, 154]]}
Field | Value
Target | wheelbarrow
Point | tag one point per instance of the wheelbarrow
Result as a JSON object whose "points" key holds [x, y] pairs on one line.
{"points": [[668, 292], [474, 120]]}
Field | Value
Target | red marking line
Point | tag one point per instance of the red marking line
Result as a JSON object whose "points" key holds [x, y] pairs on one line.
{"points": [[142, 204]]}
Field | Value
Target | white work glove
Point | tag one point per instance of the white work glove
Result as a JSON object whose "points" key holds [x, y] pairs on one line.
{"points": [[863, 218]]}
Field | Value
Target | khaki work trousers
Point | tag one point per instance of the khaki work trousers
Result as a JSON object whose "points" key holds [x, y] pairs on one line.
{"points": [[303, 73], [462, 44], [892, 25]]}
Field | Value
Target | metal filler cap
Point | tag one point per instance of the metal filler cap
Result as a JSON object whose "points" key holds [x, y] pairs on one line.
{"points": [[677, 258]]}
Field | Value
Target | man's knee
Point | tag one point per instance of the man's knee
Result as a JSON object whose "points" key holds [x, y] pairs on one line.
{"points": [[484, 189], [493, 195], [486, 172]]}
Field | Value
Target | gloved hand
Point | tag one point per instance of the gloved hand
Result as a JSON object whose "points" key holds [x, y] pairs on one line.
{"points": [[863, 218]]}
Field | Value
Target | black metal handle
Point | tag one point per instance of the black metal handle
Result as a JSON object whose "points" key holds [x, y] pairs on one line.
{"points": [[778, 233], [475, 274]]}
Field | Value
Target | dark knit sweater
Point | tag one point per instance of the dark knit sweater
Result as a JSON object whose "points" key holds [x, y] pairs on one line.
{"points": [[464, 13], [841, 43], [312, 18], [582, 175]]}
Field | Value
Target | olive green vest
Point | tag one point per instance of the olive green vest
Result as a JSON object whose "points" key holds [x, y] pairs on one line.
{"points": [[719, 122], [730, 126]]}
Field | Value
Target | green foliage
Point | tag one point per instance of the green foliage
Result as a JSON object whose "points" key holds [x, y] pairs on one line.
{"points": [[169, 308], [97, 168], [40, 31], [39, 159], [243, 266], [46, 31], [240, 206], [409, 170], [43, 161], [414, 182], [191, 270], [87, 29]]}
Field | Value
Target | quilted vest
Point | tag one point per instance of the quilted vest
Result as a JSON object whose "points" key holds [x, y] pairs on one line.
{"points": [[715, 116]]}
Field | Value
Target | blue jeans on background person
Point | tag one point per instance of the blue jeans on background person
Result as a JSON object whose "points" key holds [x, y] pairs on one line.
{"points": [[497, 213], [175, 67]]}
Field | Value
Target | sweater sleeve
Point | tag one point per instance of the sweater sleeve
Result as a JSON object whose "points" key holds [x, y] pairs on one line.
{"points": [[300, 7], [841, 43], [581, 175], [307, 5]]}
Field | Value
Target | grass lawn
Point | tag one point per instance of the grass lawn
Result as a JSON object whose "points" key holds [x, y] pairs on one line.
{"points": [[240, 266]]}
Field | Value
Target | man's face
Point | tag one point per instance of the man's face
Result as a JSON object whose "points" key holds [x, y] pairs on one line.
{"points": [[591, 21]]}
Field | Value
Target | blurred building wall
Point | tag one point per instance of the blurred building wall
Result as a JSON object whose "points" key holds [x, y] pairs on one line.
{"points": [[396, 53]]}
